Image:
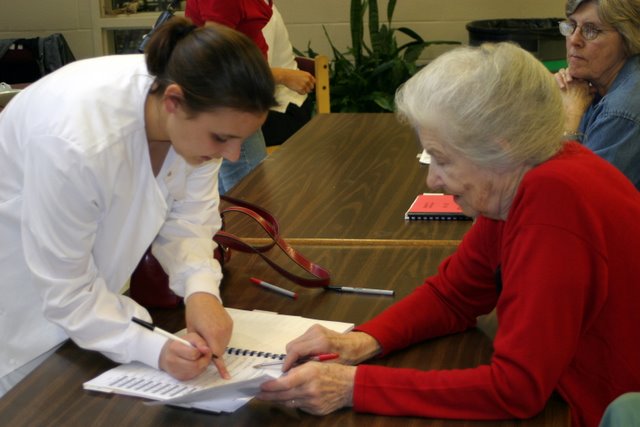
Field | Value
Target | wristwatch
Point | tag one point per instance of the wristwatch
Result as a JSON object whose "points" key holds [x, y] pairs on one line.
{"points": [[573, 136]]}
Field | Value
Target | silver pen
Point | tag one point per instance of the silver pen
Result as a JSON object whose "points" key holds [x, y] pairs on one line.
{"points": [[371, 291]]}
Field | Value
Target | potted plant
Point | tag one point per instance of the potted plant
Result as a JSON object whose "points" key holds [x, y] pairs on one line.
{"points": [[365, 78]]}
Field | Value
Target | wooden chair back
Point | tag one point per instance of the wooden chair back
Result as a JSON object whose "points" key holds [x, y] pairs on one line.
{"points": [[319, 68]]}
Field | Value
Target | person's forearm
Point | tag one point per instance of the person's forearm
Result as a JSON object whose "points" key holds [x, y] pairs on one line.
{"points": [[572, 120], [279, 75], [362, 346]]}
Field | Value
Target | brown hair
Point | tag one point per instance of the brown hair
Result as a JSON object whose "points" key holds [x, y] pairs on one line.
{"points": [[216, 67]]}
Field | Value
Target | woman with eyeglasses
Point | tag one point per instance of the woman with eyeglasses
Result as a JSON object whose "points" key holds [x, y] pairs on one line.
{"points": [[601, 85]]}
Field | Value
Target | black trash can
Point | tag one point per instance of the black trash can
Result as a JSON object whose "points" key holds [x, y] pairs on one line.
{"points": [[539, 36]]}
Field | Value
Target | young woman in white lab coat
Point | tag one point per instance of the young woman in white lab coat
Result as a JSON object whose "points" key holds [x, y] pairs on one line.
{"points": [[104, 157]]}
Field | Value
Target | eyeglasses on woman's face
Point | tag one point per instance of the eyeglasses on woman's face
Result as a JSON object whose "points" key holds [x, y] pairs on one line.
{"points": [[588, 31]]}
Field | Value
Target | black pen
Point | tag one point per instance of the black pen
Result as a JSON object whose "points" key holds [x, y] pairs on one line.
{"points": [[387, 292], [162, 332]]}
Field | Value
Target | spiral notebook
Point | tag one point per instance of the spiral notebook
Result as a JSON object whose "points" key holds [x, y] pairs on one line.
{"points": [[435, 206], [258, 336]]}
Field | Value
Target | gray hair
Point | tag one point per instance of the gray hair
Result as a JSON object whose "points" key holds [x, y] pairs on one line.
{"points": [[624, 16], [496, 104], [572, 5]]}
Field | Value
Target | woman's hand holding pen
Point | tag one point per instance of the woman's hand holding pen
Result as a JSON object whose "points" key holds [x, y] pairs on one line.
{"points": [[206, 316], [353, 347], [320, 387], [185, 362], [209, 331]]}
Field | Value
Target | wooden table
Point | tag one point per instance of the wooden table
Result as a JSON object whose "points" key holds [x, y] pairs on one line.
{"points": [[339, 188], [345, 178], [53, 396]]}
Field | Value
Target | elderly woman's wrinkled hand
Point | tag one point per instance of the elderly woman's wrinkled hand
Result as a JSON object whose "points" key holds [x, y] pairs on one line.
{"points": [[563, 77], [352, 347], [573, 86], [318, 388], [577, 95]]}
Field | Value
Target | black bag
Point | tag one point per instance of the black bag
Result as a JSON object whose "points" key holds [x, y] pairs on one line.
{"points": [[26, 60]]}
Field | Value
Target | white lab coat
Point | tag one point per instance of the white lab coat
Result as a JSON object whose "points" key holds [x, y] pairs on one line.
{"points": [[79, 205]]}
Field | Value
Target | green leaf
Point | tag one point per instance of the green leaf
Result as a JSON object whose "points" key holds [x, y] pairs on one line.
{"points": [[412, 51], [374, 25], [357, 31], [365, 79], [409, 32], [390, 8], [384, 101]]}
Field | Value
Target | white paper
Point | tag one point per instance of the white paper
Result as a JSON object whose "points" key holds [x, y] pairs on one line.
{"points": [[257, 331], [425, 158], [264, 331]]}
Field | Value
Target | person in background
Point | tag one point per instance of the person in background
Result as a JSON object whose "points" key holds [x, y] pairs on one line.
{"points": [[601, 84], [261, 21], [552, 250], [252, 152], [97, 169]]}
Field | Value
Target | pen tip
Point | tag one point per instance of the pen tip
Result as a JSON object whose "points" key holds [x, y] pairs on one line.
{"points": [[254, 280]]}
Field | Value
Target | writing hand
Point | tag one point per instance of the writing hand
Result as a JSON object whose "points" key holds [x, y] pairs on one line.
{"points": [[206, 316], [185, 362]]}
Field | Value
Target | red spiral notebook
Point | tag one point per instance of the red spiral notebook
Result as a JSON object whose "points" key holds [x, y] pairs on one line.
{"points": [[435, 206]]}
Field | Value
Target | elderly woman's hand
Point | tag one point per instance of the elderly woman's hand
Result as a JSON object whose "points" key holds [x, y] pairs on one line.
{"points": [[315, 387], [320, 387], [353, 347], [577, 95]]}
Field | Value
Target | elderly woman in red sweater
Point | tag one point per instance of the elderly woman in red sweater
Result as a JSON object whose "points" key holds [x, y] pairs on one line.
{"points": [[553, 250]]}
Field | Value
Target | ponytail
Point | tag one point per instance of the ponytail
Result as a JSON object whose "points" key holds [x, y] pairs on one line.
{"points": [[216, 67], [159, 49]]}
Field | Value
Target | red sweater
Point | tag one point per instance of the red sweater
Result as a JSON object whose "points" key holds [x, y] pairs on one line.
{"points": [[247, 16], [568, 310]]}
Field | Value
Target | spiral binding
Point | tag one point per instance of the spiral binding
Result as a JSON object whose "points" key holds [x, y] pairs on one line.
{"points": [[254, 353]]}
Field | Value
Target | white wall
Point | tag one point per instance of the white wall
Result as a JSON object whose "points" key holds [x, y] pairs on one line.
{"points": [[432, 19], [30, 18]]}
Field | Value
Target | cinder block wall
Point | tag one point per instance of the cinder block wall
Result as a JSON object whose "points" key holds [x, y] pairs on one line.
{"points": [[31, 18], [432, 19]]}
